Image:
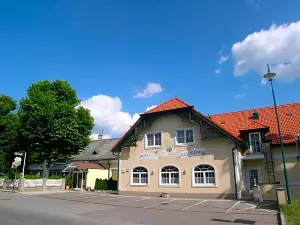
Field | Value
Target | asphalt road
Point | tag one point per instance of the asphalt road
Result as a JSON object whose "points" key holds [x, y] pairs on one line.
{"points": [[17, 209], [95, 208]]}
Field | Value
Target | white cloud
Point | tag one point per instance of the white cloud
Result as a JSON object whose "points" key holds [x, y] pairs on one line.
{"points": [[150, 107], [149, 91], [240, 95], [278, 46], [108, 115], [223, 59], [218, 71]]}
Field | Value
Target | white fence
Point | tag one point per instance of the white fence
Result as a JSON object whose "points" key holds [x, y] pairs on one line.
{"points": [[28, 183]]}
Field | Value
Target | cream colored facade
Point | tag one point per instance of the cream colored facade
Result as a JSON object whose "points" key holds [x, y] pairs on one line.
{"points": [[217, 153]]}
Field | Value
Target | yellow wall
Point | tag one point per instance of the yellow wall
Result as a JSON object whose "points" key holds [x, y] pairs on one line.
{"points": [[291, 165], [218, 154], [93, 174]]}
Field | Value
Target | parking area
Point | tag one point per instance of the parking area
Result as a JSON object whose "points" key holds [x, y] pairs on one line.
{"points": [[148, 210]]}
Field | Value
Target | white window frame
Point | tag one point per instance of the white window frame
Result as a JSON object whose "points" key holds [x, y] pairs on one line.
{"points": [[185, 143], [169, 184], [204, 176], [259, 135], [153, 146], [140, 178]]}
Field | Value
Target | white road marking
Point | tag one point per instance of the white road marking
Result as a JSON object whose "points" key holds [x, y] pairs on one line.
{"points": [[233, 206], [198, 203], [159, 203], [253, 207], [113, 198], [134, 201]]}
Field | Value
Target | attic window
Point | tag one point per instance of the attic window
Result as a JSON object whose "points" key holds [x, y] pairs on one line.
{"points": [[223, 122], [94, 153], [255, 115], [289, 113]]}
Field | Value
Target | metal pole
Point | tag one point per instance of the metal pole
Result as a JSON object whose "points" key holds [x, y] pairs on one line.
{"points": [[24, 161], [288, 192]]}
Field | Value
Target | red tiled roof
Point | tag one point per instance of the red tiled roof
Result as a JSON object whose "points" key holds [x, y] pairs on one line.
{"points": [[84, 165], [174, 103], [289, 116], [234, 122]]}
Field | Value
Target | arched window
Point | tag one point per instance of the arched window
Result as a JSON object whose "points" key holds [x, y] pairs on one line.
{"points": [[139, 176], [204, 175], [169, 175]]}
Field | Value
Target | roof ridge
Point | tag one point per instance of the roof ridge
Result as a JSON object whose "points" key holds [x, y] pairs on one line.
{"points": [[183, 102], [253, 109]]}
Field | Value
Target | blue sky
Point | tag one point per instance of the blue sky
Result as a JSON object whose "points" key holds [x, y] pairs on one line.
{"points": [[111, 50]]}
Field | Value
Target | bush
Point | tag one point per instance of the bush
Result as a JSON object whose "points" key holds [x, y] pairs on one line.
{"points": [[105, 184], [55, 177], [68, 180], [11, 175], [32, 176]]}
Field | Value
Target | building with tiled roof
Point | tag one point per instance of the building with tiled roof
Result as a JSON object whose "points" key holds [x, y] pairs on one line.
{"points": [[173, 148]]}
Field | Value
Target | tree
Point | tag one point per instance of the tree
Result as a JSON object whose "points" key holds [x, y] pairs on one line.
{"points": [[9, 131], [53, 123]]}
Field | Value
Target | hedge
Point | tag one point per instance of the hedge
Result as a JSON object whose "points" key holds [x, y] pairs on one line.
{"points": [[105, 184], [32, 176]]}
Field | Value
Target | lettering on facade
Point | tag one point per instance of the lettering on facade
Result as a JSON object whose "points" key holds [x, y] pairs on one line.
{"points": [[188, 153], [148, 156], [193, 152]]}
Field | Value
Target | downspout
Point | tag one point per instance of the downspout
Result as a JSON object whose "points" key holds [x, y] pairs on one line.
{"points": [[234, 171], [118, 156]]}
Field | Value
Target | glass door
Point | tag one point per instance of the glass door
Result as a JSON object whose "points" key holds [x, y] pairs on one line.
{"points": [[253, 174]]}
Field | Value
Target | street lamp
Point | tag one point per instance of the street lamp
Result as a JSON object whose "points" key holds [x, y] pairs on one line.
{"points": [[269, 76]]}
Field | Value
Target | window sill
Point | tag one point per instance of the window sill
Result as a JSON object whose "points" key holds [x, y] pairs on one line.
{"points": [[204, 186], [184, 145], [139, 185], [154, 147], [169, 186]]}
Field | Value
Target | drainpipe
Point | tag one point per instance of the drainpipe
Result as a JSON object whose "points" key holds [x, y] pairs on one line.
{"points": [[118, 156], [234, 172]]}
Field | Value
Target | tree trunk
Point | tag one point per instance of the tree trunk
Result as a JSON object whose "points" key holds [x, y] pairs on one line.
{"points": [[45, 169]]}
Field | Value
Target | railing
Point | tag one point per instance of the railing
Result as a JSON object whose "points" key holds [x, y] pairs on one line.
{"points": [[259, 148]]}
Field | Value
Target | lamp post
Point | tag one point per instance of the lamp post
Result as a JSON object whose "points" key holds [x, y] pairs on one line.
{"points": [[270, 77]]}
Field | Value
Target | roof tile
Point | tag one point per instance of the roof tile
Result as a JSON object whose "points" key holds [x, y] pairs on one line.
{"points": [[174, 103], [289, 116]]}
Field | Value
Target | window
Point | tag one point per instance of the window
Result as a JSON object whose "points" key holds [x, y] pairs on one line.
{"points": [[184, 136], [255, 142], [204, 175], [169, 175], [153, 140], [139, 176]]}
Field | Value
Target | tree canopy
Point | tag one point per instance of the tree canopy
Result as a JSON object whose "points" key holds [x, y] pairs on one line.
{"points": [[9, 130], [52, 121]]}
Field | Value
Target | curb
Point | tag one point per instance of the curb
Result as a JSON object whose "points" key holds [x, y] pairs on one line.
{"points": [[281, 218]]}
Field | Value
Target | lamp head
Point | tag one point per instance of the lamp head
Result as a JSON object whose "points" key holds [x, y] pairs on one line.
{"points": [[269, 75]]}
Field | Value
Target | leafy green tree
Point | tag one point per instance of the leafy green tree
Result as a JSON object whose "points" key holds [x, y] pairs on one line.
{"points": [[9, 131], [53, 123]]}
